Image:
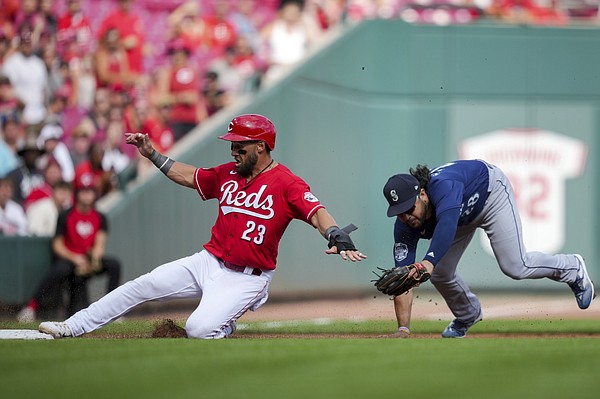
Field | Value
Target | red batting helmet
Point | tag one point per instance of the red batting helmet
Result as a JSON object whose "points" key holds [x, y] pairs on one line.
{"points": [[250, 127]]}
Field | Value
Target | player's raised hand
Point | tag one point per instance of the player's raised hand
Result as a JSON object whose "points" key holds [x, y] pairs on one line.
{"points": [[141, 141]]}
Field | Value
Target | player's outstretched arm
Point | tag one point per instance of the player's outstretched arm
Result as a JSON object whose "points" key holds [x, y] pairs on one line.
{"points": [[337, 237], [179, 172]]}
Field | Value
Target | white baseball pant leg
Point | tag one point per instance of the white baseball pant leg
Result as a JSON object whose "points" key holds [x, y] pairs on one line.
{"points": [[225, 295]]}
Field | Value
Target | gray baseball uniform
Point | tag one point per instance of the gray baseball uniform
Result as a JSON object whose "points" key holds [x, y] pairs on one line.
{"points": [[479, 195]]}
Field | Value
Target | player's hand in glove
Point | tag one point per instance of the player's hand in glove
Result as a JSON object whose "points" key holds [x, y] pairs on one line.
{"points": [[341, 243], [399, 280]]}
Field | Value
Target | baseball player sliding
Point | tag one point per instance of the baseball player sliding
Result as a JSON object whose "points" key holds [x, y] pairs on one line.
{"points": [[446, 205], [258, 197]]}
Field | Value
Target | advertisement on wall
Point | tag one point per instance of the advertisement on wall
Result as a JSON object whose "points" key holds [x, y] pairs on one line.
{"points": [[538, 164]]}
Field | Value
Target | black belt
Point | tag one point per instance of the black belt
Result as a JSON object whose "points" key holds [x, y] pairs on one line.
{"points": [[255, 271]]}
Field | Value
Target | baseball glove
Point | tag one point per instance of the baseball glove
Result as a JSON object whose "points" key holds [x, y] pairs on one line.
{"points": [[396, 281]]}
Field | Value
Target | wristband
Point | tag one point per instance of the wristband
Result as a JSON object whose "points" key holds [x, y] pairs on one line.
{"points": [[330, 230], [405, 329], [162, 162]]}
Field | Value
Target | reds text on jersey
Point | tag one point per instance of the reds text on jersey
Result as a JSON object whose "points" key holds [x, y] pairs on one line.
{"points": [[253, 216]]}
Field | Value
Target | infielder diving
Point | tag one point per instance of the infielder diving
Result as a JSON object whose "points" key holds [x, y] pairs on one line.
{"points": [[446, 205], [258, 197]]}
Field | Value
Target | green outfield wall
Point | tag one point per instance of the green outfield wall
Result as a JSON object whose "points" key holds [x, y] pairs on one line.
{"points": [[379, 98]]}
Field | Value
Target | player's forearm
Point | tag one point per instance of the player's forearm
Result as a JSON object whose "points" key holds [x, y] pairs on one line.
{"points": [[403, 308], [179, 172], [183, 174], [99, 247], [60, 250], [322, 220]]}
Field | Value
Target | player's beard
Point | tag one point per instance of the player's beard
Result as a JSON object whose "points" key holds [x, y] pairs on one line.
{"points": [[246, 167]]}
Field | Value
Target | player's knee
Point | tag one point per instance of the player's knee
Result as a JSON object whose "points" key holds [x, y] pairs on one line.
{"points": [[438, 280], [202, 330], [516, 274]]}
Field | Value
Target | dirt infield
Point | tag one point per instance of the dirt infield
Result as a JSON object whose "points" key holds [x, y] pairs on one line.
{"points": [[428, 306]]}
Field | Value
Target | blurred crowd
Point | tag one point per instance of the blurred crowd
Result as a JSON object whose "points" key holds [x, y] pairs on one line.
{"points": [[76, 74]]}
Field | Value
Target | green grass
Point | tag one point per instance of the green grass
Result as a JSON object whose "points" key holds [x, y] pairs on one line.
{"points": [[302, 367]]}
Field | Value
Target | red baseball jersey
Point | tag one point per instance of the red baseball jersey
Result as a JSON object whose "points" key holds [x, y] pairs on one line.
{"points": [[79, 229], [253, 216], [184, 78]]}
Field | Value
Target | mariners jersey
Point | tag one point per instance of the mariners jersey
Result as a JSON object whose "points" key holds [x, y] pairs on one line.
{"points": [[79, 229], [253, 216], [457, 192]]}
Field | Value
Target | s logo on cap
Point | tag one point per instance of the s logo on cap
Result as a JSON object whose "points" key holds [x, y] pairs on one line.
{"points": [[394, 195]]}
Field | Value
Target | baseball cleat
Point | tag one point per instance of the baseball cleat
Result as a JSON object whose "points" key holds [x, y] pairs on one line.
{"points": [[458, 329], [56, 329], [583, 287], [230, 329]]}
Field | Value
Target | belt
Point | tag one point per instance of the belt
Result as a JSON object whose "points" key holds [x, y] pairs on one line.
{"points": [[243, 269]]}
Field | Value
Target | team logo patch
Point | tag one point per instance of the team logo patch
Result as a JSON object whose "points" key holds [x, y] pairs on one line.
{"points": [[84, 228], [310, 197], [394, 195], [400, 251]]}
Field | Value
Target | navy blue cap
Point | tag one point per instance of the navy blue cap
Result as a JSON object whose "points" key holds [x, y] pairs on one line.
{"points": [[401, 193]]}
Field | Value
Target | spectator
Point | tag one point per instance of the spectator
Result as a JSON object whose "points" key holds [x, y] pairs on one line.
{"points": [[6, 48], [186, 23], [247, 23], [286, 40], [29, 16], [131, 34], [81, 141], [155, 125], [29, 78], [12, 136], [98, 115], [56, 108], [74, 34], [12, 216], [238, 69], [248, 65], [228, 78], [50, 141], [527, 12], [10, 8], [78, 247], [27, 175], [215, 97], [220, 33], [112, 66], [48, 34], [52, 174], [179, 84], [104, 180], [56, 69], [8, 158], [43, 214], [114, 158], [9, 104], [84, 81]]}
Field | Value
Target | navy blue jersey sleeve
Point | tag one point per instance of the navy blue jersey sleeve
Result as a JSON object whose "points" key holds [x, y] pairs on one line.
{"points": [[446, 194], [443, 235], [405, 244]]}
